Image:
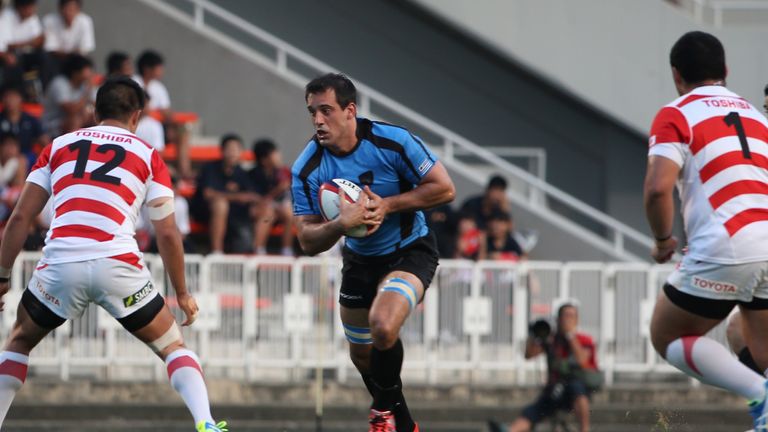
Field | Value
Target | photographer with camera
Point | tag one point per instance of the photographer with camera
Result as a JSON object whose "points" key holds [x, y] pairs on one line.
{"points": [[572, 370]]}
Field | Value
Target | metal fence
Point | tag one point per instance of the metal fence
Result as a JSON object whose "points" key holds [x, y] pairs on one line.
{"points": [[276, 319]]}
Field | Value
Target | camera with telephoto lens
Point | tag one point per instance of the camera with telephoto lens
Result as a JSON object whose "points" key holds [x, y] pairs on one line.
{"points": [[540, 330]]}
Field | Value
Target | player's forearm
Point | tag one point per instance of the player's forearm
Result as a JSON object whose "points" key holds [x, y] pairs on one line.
{"points": [[172, 252], [660, 212], [14, 236], [424, 196], [319, 237]]}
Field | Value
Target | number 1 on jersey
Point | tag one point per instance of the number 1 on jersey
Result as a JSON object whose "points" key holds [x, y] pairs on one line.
{"points": [[734, 119]]}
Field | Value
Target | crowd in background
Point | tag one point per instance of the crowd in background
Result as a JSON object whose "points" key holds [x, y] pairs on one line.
{"points": [[48, 87]]}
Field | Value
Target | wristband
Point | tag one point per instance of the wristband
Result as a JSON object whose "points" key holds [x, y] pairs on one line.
{"points": [[662, 239]]}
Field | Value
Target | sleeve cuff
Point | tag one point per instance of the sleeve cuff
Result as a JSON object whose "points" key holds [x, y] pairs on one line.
{"points": [[671, 151]]}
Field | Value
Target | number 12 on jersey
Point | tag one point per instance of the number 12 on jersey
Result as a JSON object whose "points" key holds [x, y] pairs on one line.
{"points": [[101, 174]]}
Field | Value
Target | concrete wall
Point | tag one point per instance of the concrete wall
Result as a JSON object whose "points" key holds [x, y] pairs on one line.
{"points": [[612, 53]]}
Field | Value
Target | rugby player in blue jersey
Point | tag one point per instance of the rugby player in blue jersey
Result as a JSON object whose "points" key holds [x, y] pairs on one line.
{"points": [[385, 273]]}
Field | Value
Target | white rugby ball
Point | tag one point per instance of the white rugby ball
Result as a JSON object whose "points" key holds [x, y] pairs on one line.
{"points": [[328, 196]]}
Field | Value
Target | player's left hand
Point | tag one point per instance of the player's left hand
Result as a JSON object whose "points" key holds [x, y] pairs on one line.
{"points": [[376, 208], [188, 304]]}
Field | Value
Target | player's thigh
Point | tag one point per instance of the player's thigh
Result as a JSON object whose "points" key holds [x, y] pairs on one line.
{"points": [[123, 287], [671, 322], [398, 294], [26, 333]]}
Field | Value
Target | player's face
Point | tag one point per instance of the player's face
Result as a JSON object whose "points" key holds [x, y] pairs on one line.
{"points": [[329, 119]]}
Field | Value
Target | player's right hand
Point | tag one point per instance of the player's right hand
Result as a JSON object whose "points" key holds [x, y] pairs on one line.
{"points": [[4, 287], [351, 214], [664, 250], [188, 305]]}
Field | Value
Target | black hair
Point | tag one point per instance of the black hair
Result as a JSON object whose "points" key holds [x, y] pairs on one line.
{"points": [[148, 59], [118, 98], [8, 135], [262, 148], [21, 3], [346, 93], [230, 137], [11, 88], [564, 306], [63, 3], [698, 56], [498, 214], [115, 61], [75, 63], [497, 182], [765, 90]]}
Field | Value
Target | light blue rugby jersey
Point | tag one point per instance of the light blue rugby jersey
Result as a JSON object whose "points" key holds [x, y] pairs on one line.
{"points": [[387, 158]]}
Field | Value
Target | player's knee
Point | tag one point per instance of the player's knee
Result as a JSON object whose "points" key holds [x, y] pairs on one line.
{"points": [[734, 334], [659, 341], [384, 331]]}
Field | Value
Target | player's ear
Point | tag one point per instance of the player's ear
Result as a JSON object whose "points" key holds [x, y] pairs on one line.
{"points": [[351, 110]]}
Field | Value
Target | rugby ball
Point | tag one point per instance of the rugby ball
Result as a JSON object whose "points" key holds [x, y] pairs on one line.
{"points": [[328, 197]]}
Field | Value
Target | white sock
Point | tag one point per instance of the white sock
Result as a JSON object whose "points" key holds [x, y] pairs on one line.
{"points": [[186, 377], [711, 363], [13, 372]]}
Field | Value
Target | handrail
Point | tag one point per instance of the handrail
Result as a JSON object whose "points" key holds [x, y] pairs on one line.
{"points": [[617, 231]]}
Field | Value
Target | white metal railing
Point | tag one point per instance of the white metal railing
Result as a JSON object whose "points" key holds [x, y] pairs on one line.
{"points": [[714, 11], [616, 236], [276, 318]]}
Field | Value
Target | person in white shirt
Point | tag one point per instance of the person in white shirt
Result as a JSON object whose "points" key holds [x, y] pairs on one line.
{"points": [[69, 30], [151, 68], [151, 131], [68, 103], [21, 42]]}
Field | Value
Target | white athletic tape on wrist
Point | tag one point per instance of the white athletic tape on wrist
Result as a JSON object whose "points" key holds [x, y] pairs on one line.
{"points": [[358, 335], [5, 272], [162, 211], [172, 335], [402, 287]]}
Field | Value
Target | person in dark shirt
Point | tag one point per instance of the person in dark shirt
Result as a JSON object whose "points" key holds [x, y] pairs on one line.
{"points": [[500, 242], [27, 129], [272, 181], [494, 198], [224, 199]]}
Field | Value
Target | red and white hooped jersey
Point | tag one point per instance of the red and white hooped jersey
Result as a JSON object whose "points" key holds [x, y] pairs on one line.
{"points": [[99, 178], [721, 142]]}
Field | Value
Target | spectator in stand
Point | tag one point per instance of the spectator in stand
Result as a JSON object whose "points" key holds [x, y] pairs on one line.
{"points": [[272, 180], [494, 198], [13, 171], [765, 102], [442, 221], [23, 43], [151, 68], [69, 31], [151, 130], [224, 198], [68, 103], [500, 242], [470, 240], [27, 129], [119, 64]]}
